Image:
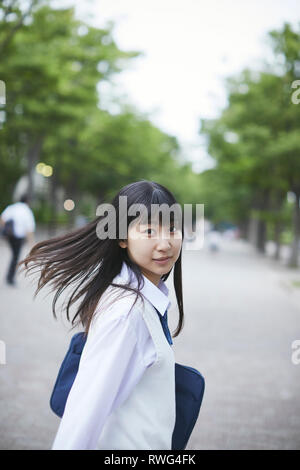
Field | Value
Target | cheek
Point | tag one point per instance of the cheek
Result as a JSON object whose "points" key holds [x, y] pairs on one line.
{"points": [[177, 245], [141, 248]]}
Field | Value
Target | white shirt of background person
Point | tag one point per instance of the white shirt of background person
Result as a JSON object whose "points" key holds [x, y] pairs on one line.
{"points": [[24, 222]]}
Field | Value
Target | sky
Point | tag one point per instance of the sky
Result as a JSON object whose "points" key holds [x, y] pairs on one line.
{"points": [[189, 48]]}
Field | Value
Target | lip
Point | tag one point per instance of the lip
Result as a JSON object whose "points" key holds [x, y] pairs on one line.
{"points": [[162, 260]]}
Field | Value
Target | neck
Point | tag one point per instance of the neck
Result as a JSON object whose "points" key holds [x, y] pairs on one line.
{"points": [[152, 277]]}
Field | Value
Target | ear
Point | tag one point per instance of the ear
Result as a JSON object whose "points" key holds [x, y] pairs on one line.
{"points": [[123, 244]]}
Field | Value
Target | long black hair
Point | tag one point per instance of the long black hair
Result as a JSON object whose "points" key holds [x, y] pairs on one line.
{"points": [[82, 257]]}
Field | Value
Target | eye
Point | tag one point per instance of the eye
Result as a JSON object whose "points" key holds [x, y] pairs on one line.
{"points": [[147, 231]]}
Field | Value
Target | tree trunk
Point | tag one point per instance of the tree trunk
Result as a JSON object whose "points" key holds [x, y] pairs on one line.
{"points": [[53, 187], [279, 197], [261, 236], [252, 230], [293, 261], [277, 232], [262, 226], [32, 156], [74, 195]]}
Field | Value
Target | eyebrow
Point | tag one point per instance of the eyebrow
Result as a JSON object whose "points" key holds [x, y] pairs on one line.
{"points": [[154, 224]]}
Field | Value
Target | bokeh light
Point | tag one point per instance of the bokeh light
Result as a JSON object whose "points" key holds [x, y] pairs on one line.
{"points": [[69, 205]]}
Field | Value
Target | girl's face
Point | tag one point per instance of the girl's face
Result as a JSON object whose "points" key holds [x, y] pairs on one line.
{"points": [[147, 243]]}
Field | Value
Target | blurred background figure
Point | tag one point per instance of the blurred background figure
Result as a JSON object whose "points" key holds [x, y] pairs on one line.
{"points": [[18, 225], [231, 234], [214, 240]]}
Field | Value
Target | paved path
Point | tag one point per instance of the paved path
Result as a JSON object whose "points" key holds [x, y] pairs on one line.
{"points": [[242, 314]]}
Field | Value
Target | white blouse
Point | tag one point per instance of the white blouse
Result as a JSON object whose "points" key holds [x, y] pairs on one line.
{"points": [[117, 352], [22, 216]]}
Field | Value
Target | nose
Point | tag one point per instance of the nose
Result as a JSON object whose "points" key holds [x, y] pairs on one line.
{"points": [[164, 242]]}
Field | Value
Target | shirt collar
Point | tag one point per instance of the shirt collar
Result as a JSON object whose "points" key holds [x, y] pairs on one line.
{"points": [[157, 295]]}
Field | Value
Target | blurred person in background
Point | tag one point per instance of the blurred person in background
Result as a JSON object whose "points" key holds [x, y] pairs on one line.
{"points": [[214, 239], [18, 225]]}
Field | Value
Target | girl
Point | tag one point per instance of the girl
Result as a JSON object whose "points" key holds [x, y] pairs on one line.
{"points": [[123, 396]]}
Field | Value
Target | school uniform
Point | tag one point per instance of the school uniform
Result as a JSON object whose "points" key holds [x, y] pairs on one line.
{"points": [[123, 396]]}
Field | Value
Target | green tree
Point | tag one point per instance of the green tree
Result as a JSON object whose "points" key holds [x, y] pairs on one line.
{"points": [[256, 144]]}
